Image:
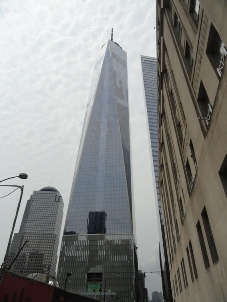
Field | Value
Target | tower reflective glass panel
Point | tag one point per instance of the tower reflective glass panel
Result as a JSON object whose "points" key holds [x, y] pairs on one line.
{"points": [[100, 202]]}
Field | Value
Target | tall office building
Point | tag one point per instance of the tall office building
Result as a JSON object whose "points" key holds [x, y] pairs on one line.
{"points": [[143, 292], [149, 71], [157, 297], [98, 242], [192, 107], [40, 226]]}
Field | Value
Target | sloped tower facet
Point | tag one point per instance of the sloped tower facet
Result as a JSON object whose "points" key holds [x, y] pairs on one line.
{"points": [[98, 237]]}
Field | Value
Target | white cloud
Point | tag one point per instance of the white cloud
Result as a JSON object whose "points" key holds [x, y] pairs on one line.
{"points": [[47, 55]]}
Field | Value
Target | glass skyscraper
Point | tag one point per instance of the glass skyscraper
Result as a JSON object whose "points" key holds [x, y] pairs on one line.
{"points": [[40, 226], [149, 71], [98, 242]]}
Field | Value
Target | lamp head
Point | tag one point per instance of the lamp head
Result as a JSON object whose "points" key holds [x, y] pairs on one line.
{"points": [[23, 176]]}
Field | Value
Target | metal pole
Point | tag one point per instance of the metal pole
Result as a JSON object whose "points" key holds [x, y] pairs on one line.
{"points": [[104, 299], [66, 279], [17, 254], [14, 223]]}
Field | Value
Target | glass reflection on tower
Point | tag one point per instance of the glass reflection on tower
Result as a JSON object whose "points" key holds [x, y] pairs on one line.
{"points": [[98, 236]]}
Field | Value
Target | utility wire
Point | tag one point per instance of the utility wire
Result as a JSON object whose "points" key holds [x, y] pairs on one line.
{"points": [[9, 193]]}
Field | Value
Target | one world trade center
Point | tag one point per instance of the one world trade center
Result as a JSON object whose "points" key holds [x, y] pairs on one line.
{"points": [[97, 251]]}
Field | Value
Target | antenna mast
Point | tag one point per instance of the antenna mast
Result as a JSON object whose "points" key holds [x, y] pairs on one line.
{"points": [[112, 34]]}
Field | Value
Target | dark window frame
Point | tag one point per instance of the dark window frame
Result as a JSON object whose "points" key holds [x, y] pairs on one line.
{"points": [[193, 260], [216, 51], [209, 235], [184, 273], [189, 55], [177, 25], [179, 280], [202, 245], [194, 4], [204, 105], [190, 264]]}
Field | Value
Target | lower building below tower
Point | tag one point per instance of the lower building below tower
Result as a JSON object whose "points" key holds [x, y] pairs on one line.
{"points": [[101, 266]]}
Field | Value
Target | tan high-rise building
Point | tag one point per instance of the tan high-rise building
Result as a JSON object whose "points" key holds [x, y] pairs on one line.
{"points": [[192, 98]]}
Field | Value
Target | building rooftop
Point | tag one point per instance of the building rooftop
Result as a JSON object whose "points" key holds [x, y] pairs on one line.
{"points": [[51, 189]]}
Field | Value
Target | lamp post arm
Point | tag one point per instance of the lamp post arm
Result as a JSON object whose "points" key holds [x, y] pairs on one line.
{"points": [[8, 178], [14, 223]]}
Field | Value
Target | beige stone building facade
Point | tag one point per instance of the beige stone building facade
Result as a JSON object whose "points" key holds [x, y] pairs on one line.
{"points": [[192, 97]]}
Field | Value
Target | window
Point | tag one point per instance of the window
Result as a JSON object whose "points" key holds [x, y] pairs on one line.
{"points": [[202, 245], [209, 235], [192, 150], [181, 210], [179, 280], [179, 132], [194, 9], [190, 265], [216, 51], [204, 105], [170, 6], [189, 54], [177, 24], [184, 273], [223, 174], [193, 260], [189, 174]]}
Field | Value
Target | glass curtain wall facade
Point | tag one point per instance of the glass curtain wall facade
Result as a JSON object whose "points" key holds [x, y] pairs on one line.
{"points": [[41, 226], [149, 72], [98, 237]]}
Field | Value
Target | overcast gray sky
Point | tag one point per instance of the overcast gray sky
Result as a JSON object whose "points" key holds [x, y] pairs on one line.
{"points": [[47, 55]]}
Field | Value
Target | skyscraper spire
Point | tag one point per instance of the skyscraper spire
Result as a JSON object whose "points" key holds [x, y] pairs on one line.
{"points": [[112, 34]]}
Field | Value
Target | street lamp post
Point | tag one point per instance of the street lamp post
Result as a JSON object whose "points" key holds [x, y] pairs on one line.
{"points": [[22, 176], [66, 279], [104, 296], [15, 218]]}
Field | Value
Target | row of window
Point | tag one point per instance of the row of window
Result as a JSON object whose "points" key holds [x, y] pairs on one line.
{"points": [[191, 164], [216, 50], [176, 282], [190, 255], [193, 8], [209, 237]]}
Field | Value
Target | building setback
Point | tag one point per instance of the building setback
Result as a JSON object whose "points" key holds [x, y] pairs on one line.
{"points": [[192, 78], [41, 226], [98, 242]]}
